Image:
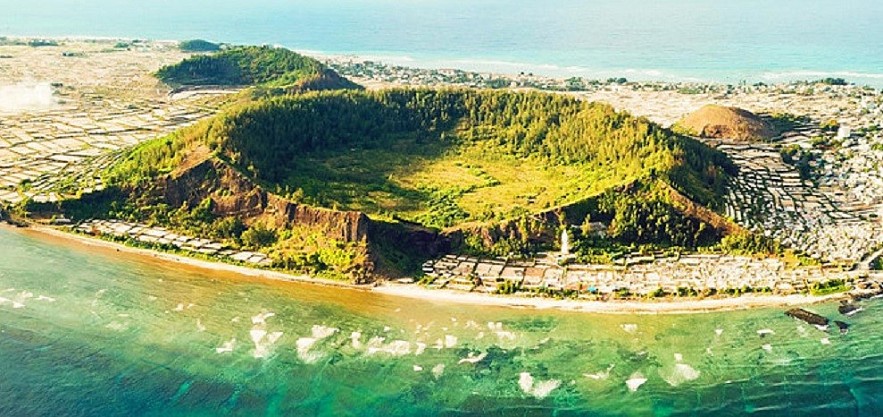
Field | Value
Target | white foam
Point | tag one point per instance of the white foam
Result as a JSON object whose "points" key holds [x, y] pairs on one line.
{"points": [[629, 328], [679, 357], [399, 348], [497, 328], [262, 318], [539, 389], [199, 326], [304, 350], [421, 347], [635, 381], [304, 345], [321, 332], [227, 346], [179, 307], [826, 341], [438, 370], [394, 348], [601, 375], [356, 337], [473, 358], [543, 388], [854, 311], [682, 373], [45, 298], [450, 341], [525, 381], [273, 337], [767, 347], [257, 335], [418, 368], [764, 332], [718, 331], [471, 324]]}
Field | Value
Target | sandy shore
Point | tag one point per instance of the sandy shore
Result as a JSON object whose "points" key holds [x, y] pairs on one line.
{"points": [[44, 232], [686, 306]]}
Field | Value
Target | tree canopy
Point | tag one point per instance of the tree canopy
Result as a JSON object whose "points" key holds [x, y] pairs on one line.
{"points": [[246, 65]]}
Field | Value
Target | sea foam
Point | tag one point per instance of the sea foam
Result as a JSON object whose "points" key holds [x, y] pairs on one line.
{"points": [[537, 389]]}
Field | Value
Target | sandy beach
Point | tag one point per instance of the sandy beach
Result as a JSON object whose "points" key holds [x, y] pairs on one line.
{"points": [[685, 306]]}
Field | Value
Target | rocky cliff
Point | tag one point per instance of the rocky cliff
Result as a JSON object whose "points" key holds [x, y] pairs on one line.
{"points": [[234, 194]]}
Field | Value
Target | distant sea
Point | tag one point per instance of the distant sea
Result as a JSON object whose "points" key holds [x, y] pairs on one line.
{"points": [[689, 40]]}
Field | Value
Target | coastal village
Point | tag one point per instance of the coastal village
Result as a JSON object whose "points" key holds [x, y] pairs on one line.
{"points": [[159, 236], [106, 100]]}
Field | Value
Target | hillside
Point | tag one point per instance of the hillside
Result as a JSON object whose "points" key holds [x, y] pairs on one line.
{"points": [[253, 65], [480, 171], [720, 122]]}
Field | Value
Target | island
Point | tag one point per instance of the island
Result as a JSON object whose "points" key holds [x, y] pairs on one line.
{"points": [[508, 186]]}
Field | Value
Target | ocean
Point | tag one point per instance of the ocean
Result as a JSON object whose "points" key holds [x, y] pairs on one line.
{"points": [[668, 40], [88, 331]]}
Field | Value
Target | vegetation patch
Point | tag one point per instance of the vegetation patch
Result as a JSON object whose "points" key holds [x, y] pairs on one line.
{"points": [[496, 171], [250, 65]]}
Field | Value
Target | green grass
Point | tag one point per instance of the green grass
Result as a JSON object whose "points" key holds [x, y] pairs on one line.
{"points": [[407, 176], [833, 286]]}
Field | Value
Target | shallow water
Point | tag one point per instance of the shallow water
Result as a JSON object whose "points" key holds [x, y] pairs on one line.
{"points": [[709, 40], [90, 331]]}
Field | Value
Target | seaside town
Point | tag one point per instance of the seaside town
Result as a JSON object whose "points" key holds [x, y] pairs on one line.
{"points": [[824, 201]]}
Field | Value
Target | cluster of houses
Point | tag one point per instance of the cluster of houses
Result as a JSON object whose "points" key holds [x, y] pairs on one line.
{"points": [[770, 196], [637, 275], [162, 237]]}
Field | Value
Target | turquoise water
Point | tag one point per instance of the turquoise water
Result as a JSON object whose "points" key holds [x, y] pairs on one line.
{"points": [[709, 40], [93, 332]]}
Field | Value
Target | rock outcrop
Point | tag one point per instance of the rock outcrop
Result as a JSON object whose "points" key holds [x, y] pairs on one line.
{"points": [[808, 316], [234, 194]]}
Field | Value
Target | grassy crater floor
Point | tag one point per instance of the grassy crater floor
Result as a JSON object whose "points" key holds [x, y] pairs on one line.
{"points": [[439, 183]]}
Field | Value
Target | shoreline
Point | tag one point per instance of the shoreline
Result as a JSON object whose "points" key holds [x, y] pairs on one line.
{"points": [[205, 265], [512, 68], [414, 291]]}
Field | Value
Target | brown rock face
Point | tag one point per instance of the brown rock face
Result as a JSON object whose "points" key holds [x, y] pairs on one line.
{"points": [[234, 194], [719, 122]]}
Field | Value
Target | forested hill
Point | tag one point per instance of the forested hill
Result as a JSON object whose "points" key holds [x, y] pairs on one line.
{"points": [[468, 171], [253, 65], [442, 157]]}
